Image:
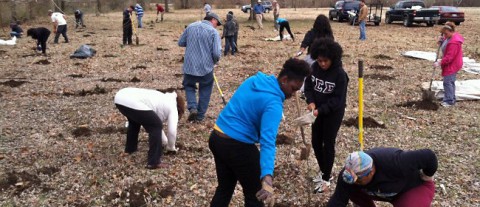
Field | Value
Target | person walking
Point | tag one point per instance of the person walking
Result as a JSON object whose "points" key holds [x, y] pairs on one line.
{"points": [[79, 19], [160, 11], [40, 34], [229, 35], [150, 109], [284, 25], [402, 178], [276, 13], [203, 50], [207, 8], [139, 12], [258, 9], [325, 92], [237, 28], [252, 115], [59, 25], [452, 61], [362, 19], [127, 26]]}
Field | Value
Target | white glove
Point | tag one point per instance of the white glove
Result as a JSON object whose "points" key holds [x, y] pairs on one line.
{"points": [[436, 64], [305, 119], [298, 53]]}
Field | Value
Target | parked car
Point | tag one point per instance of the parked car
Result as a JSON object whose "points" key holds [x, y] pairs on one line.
{"points": [[341, 9], [266, 4], [450, 13], [412, 11]]}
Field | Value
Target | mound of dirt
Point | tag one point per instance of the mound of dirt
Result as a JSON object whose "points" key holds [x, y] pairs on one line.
{"points": [[283, 139], [83, 92], [82, 131], [420, 105], [48, 170], [379, 77], [135, 80], [43, 62], [21, 181], [368, 122], [76, 75], [111, 80], [381, 67], [143, 67], [383, 57], [111, 130]]}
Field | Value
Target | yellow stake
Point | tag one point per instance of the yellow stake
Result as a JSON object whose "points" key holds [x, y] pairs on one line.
{"points": [[360, 103]]}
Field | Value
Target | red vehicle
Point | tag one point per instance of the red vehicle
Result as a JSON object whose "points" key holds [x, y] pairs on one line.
{"points": [[450, 13]]}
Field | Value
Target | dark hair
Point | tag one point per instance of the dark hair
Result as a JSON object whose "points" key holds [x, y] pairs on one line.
{"points": [[322, 27], [295, 69], [132, 7], [180, 106], [328, 48], [230, 12], [208, 18]]}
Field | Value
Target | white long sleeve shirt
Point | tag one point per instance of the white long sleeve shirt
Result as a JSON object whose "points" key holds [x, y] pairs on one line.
{"points": [[163, 104]]}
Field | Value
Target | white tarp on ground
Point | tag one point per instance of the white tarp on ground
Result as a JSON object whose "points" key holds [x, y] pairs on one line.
{"points": [[464, 90], [277, 38], [469, 65], [11, 42]]}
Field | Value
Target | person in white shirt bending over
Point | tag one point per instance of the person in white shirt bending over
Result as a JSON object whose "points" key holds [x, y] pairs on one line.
{"points": [[150, 109], [59, 25]]}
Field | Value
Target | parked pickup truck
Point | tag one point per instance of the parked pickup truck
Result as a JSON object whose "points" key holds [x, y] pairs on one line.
{"points": [[412, 11]]}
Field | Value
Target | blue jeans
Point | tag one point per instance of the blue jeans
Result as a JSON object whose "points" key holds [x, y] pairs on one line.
{"points": [[18, 35], [139, 19], [229, 43], [205, 85], [449, 87], [363, 34]]}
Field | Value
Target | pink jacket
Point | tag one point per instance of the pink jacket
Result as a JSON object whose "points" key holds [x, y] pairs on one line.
{"points": [[452, 60]]}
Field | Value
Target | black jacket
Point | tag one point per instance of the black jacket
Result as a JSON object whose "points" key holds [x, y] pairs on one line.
{"points": [[311, 36], [327, 88], [396, 171], [229, 27], [127, 22], [41, 34]]}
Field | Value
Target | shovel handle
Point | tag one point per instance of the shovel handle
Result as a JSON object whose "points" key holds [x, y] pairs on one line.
{"points": [[299, 113]]}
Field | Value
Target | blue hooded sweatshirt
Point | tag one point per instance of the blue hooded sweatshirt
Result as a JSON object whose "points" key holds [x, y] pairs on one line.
{"points": [[253, 115]]}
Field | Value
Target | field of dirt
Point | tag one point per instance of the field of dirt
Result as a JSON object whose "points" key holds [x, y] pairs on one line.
{"points": [[62, 139]]}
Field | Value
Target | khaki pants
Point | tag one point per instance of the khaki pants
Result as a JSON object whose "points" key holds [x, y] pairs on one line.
{"points": [[259, 18]]}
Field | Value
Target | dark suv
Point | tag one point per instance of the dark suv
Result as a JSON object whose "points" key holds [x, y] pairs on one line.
{"points": [[266, 4], [341, 8]]}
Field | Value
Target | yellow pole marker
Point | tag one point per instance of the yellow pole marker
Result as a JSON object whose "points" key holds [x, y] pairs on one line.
{"points": [[360, 103]]}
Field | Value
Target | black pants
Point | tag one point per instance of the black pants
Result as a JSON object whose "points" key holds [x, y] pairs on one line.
{"points": [[324, 134], [61, 29], [235, 161], [284, 25], [152, 124], [127, 34], [79, 21], [42, 41], [229, 43]]}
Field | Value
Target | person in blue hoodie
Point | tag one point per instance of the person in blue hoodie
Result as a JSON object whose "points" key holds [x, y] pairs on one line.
{"points": [[252, 115], [284, 25]]}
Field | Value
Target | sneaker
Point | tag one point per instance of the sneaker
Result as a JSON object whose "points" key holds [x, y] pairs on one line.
{"points": [[321, 186], [193, 115], [318, 178], [445, 104]]}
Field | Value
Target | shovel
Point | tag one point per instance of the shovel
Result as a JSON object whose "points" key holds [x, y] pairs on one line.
{"points": [[137, 40], [430, 95], [305, 150]]}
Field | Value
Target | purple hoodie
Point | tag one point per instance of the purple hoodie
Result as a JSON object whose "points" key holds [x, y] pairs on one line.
{"points": [[452, 60]]}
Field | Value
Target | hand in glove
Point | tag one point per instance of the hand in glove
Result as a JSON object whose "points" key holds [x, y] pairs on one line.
{"points": [[266, 193], [425, 177], [436, 64], [298, 53]]}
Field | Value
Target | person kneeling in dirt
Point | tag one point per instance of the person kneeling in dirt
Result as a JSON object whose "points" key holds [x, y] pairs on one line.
{"points": [[252, 116], [284, 25], [79, 19], [325, 92], [150, 109], [17, 31], [127, 26], [40, 34], [402, 178]]}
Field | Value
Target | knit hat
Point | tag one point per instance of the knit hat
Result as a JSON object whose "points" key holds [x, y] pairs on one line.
{"points": [[358, 164]]}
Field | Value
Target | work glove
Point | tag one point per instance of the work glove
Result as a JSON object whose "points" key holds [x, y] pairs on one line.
{"points": [[266, 193], [298, 54], [436, 64], [305, 119], [425, 177]]}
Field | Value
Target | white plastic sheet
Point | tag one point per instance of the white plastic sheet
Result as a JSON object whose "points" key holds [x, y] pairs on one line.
{"points": [[464, 90], [469, 65]]}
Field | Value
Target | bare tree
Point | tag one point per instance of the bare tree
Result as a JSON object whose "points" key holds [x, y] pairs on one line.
{"points": [[252, 14], [166, 6]]}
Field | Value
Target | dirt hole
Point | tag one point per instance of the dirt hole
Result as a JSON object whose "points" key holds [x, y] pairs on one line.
{"points": [[379, 77], [82, 131], [283, 139], [43, 62], [178, 75], [167, 191], [21, 181], [111, 80], [420, 105], [13, 83], [383, 57], [143, 67], [162, 49], [77, 64], [3, 52], [170, 89], [381, 67], [29, 55], [368, 122], [83, 92], [48, 170], [111, 130], [110, 55], [76, 75], [135, 80], [87, 35]]}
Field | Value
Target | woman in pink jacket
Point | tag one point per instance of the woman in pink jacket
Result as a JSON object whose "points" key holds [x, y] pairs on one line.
{"points": [[452, 61]]}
